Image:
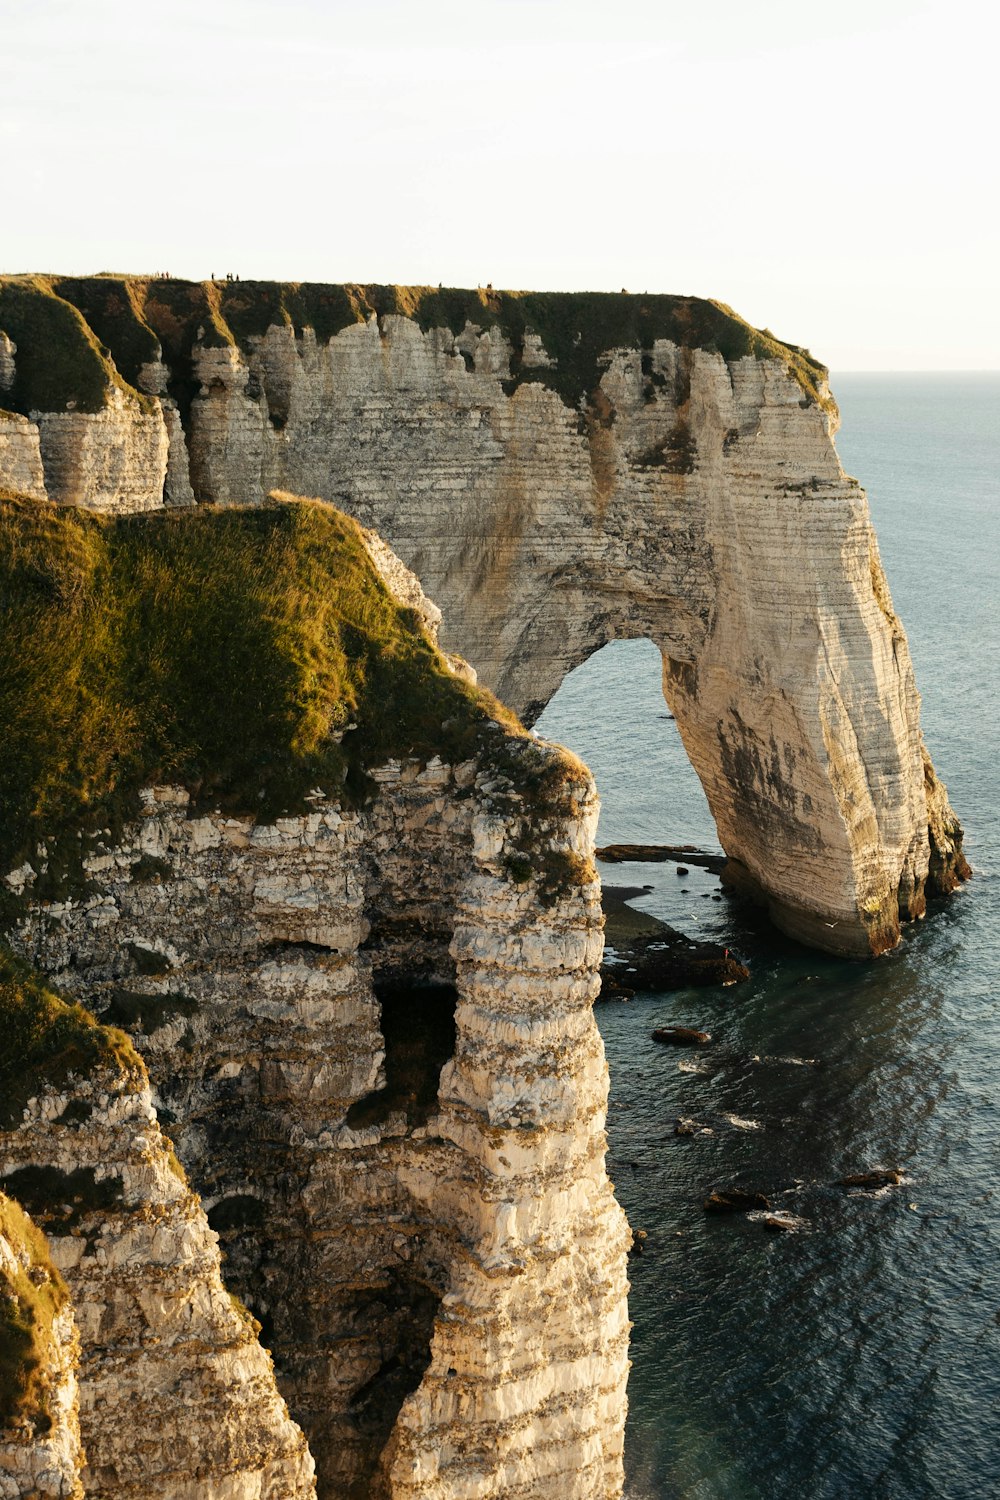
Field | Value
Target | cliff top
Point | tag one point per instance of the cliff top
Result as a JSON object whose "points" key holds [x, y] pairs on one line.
{"points": [[251, 655], [80, 338]]}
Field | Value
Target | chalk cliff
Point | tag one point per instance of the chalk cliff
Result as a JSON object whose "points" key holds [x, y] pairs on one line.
{"points": [[559, 472], [364, 1004]]}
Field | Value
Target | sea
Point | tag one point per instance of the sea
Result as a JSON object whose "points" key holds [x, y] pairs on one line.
{"points": [[858, 1356]]}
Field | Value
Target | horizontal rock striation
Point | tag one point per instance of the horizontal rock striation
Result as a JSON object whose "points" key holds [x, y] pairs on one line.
{"points": [[378, 1053], [560, 472]]}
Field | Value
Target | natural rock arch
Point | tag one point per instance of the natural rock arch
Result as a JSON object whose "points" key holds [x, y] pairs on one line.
{"points": [[559, 471]]}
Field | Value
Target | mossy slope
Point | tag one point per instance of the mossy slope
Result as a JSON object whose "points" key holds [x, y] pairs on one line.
{"points": [[31, 1297], [80, 336], [61, 363], [251, 655], [46, 1040]]}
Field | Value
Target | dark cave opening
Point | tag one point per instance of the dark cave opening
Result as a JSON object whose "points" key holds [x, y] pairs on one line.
{"points": [[398, 1319], [418, 1027]]}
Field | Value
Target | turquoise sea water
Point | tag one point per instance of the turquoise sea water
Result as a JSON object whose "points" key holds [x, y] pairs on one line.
{"points": [[859, 1357]]}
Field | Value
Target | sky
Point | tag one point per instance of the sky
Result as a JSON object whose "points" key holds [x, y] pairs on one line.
{"points": [[830, 171]]}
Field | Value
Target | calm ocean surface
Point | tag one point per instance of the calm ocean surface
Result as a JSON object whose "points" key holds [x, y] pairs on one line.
{"points": [[861, 1356]]}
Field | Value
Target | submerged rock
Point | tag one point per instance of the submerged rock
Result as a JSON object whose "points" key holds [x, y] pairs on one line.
{"points": [[878, 1177], [683, 854], [681, 1036], [649, 955], [675, 963], [734, 1201], [778, 1222]]}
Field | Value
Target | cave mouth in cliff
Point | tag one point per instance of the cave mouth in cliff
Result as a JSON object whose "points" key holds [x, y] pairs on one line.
{"points": [[419, 1030]]}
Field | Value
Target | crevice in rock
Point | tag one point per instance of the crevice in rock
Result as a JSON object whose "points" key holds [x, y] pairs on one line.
{"points": [[401, 1321], [418, 1026]]}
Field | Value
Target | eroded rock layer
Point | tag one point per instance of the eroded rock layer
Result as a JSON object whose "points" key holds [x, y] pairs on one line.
{"points": [[379, 1055], [560, 472]]}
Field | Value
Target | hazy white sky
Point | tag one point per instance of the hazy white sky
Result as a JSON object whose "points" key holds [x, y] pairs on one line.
{"points": [[829, 170]]}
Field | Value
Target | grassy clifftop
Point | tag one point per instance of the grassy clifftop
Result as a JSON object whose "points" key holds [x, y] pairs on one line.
{"points": [[79, 337], [249, 654]]}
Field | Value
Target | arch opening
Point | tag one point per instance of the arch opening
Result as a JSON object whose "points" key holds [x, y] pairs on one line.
{"points": [[613, 712]]}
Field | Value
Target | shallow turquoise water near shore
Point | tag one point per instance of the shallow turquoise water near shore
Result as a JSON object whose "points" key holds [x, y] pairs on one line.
{"points": [[861, 1356]]}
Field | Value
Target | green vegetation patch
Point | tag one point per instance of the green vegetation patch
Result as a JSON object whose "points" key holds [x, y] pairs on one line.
{"points": [[536, 786], [252, 307], [31, 1297], [78, 335], [251, 655], [578, 328], [60, 363], [113, 307], [45, 1040]]}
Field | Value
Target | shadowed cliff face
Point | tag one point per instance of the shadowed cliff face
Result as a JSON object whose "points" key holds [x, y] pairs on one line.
{"points": [[560, 471]]}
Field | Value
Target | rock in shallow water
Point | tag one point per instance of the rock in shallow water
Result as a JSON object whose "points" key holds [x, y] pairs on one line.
{"points": [[879, 1177], [734, 1201], [681, 1036]]}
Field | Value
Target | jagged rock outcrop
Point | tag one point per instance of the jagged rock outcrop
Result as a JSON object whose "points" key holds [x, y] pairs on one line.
{"points": [[561, 472], [367, 1019], [40, 1452], [177, 1398]]}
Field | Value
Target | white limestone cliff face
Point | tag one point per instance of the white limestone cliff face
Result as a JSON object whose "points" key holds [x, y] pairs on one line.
{"points": [[113, 460], [702, 505], [21, 456], [373, 1034], [691, 500], [176, 1396], [40, 1459]]}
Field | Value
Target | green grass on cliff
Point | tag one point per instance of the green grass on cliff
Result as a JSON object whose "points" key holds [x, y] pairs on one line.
{"points": [[31, 1297], [44, 1039], [225, 650], [577, 328], [79, 336], [61, 363]]}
